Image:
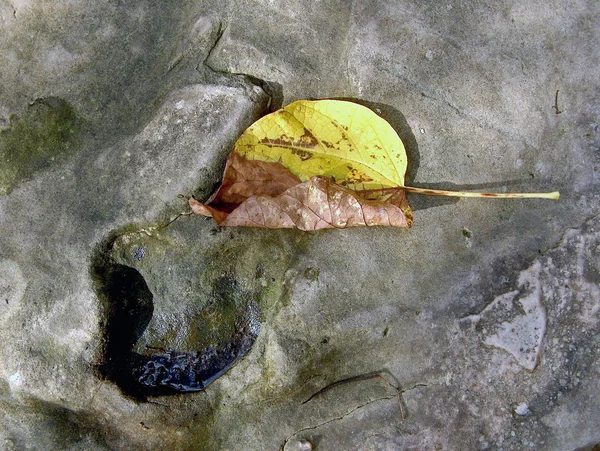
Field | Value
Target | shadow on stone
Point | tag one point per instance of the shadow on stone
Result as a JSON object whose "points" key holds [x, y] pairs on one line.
{"points": [[273, 89], [178, 316], [128, 307]]}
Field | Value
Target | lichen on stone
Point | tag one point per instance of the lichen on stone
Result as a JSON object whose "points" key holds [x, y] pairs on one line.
{"points": [[36, 138]]}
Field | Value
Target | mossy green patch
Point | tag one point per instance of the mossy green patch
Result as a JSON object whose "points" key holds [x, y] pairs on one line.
{"points": [[42, 134]]}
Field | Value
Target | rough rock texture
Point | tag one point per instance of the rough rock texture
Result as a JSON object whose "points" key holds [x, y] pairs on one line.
{"points": [[476, 329]]}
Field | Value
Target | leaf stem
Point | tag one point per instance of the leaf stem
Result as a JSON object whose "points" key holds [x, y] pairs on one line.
{"points": [[554, 195]]}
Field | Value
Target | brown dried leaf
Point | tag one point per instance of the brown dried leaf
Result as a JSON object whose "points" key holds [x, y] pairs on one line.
{"points": [[261, 194], [244, 178], [319, 204]]}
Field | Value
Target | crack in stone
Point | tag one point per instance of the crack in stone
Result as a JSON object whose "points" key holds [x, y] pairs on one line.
{"points": [[331, 420], [266, 87], [399, 395], [276, 398], [186, 52], [220, 32]]}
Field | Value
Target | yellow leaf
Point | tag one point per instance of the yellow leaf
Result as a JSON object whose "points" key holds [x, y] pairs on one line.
{"points": [[286, 170], [342, 140]]}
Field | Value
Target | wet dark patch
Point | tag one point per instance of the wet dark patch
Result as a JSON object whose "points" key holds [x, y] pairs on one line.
{"points": [[181, 372], [180, 306], [128, 307]]}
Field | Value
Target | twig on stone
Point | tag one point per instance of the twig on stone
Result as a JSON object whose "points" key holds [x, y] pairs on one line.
{"points": [[556, 110]]}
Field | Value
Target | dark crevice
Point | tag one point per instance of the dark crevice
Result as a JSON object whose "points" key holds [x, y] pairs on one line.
{"points": [[127, 309]]}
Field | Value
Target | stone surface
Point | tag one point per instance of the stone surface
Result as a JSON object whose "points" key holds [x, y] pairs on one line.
{"points": [[476, 329]]}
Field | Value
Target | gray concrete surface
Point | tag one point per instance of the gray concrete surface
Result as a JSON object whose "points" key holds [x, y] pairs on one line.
{"points": [[476, 329]]}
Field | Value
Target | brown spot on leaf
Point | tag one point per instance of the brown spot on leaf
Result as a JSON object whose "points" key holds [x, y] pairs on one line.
{"points": [[308, 139], [302, 154], [357, 177], [283, 140]]}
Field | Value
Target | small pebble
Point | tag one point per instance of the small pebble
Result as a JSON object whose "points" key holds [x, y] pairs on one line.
{"points": [[304, 445], [522, 409]]}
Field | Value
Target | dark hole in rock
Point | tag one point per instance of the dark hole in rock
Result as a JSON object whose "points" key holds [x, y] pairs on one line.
{"points": [[174, 321], [130, 309], [159, 371]]}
